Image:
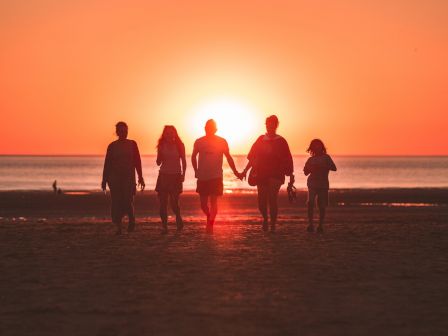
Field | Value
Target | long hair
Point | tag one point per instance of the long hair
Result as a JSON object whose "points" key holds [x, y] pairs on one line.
{"points": [[177, 140], [316, 147]]}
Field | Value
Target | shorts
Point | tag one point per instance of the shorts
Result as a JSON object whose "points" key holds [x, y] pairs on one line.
{"points": [[169, 183], [269, 186], [212, 187], [322, 197]]}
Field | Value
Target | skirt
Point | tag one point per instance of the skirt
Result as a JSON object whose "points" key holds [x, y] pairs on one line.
{"points": [[169, 183]]}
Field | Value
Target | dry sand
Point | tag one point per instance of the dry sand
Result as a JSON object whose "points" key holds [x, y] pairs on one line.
{"points": [[377, 269]]}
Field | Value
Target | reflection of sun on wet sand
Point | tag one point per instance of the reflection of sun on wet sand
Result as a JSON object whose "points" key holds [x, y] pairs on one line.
{"points": [[377, 269]]}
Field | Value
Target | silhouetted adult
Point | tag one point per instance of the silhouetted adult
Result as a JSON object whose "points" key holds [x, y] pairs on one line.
{"points": [[170, 156], [208, 169], [271, 160], [122, 160]]}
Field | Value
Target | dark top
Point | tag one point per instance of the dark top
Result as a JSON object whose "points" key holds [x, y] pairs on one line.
{"points": [[318, 167], [271, 158], [122, 160]]}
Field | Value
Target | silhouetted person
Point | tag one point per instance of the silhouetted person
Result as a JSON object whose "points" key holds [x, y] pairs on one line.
{"points": [[208, 169], [172, 162], [271, 159], [317, 168], [55, 186], [122, 160]]}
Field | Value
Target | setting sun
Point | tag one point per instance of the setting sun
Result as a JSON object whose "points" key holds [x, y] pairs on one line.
{"points": [[236, 120]]}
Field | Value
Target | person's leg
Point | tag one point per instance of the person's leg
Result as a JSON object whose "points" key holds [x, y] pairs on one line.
{"points": [[263, 203], [274, 187], [130, 212], [322, 198], [116, 209], [163, 210], [213, 208], [174, 200], [310, 204], [204, 205]]}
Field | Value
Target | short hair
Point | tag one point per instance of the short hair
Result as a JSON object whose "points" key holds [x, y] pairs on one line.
{"points": [[211, 125], [121, 124], [272, 119]]}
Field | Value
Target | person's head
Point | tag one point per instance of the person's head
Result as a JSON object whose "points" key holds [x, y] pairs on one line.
{"points": [[121, 128], [169, 135], [210, 127], [271, 124], [316, 147]]}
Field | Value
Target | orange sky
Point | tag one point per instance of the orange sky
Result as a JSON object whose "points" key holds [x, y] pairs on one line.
{"points": [[368, 77]]}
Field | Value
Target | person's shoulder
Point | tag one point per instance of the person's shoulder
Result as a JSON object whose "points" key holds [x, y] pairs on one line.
{"points": [[112, 144], [200, 140]]}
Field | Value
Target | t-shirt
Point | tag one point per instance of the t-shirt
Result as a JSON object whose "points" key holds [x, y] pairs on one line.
{"points": [[318, 168], [271, 158], [122, 160], [170, 158], [211, 150]]}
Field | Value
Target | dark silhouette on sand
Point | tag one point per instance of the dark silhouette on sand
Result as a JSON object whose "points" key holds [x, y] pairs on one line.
{"points": [[172, 162], [208, 169], [55, 186], [122, 160], [317, 168], [270, 160]]}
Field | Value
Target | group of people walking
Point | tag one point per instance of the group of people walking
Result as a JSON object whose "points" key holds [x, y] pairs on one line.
{"points": [[269, 162]]}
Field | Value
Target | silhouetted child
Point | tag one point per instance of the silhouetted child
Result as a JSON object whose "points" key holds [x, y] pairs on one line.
{"points": [[317, 168]]}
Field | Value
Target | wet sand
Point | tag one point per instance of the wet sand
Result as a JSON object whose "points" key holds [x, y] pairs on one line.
{"points": [[380, 268]]}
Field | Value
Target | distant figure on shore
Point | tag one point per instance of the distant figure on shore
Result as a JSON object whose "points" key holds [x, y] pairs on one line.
{"points": [[172, 162], [208, 169], [55, 186], [270, 160], [317, 168], [122, 160]]}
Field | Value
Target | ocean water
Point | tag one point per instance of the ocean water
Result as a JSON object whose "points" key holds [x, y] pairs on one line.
{"points": [[85, 172]]}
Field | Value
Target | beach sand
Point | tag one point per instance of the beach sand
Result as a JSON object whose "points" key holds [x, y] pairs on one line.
{"points": [[381, 267]]}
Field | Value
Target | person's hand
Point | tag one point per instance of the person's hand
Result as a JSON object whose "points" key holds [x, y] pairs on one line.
{"points": [[196, 174], [141, 183], [103, 185], [292, 179], [182, 178], [238, 175], [243, 174]]}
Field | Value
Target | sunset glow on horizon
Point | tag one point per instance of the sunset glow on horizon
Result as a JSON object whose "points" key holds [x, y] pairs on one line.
{"points": [[367, 77]]}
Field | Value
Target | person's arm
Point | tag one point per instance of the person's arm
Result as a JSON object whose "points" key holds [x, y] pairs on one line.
{"points": [[246, 169], [106, 169], [183, 162], [194, 161], [159, 156], [230, 161], [251, 157], [138, 166], [289, 164], [232, 165], [332, 166], [307, 168]]}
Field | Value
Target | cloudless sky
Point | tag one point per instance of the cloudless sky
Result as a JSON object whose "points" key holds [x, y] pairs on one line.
{"points": [[367, 77]]}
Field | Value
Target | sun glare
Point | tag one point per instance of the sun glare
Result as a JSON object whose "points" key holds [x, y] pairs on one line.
{"points": [[236, 120]]}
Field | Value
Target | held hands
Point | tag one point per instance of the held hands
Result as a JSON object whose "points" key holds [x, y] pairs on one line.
{"points": [[239, 175], [141, 183]]}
